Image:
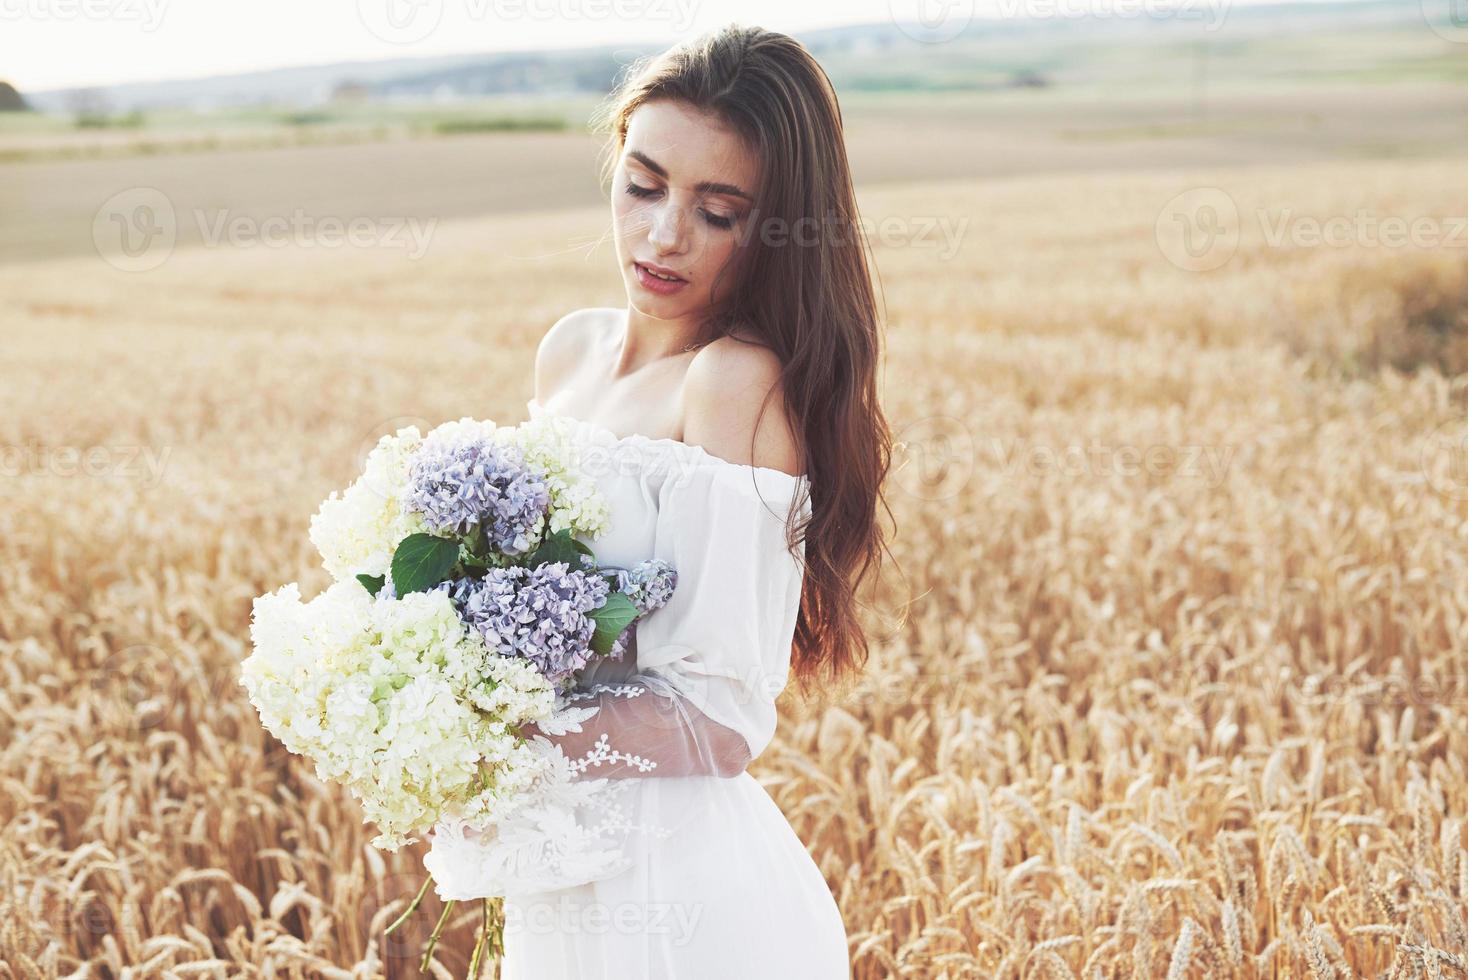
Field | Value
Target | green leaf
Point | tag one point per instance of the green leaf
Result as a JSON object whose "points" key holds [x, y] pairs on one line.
{"points": [[557, 547], [421, 562], [372, 583], [614, 616]]}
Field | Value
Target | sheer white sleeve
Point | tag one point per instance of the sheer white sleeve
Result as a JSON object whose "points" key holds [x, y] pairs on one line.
{"points": [[710, 663]]}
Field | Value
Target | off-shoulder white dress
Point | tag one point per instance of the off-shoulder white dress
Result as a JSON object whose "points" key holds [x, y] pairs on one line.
{"points": [[719, 885]]}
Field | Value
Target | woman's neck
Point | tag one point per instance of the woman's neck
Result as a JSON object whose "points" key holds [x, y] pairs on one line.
{"points": [[644, 340]]}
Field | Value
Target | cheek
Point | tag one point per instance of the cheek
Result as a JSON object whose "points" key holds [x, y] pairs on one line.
{"points": [[628, 216], [718, 251]]}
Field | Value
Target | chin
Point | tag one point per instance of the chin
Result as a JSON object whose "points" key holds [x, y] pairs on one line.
{"points": [[662, 307]]}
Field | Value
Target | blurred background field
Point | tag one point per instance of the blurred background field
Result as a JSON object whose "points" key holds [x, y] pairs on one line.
{"points": [[1170, 679]]}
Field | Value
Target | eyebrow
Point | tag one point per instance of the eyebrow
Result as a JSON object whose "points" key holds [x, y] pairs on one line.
{"points": [[706, 187]]}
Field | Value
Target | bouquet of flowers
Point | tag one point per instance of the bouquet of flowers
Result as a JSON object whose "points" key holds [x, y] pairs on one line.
{"points": [[461, 608]]}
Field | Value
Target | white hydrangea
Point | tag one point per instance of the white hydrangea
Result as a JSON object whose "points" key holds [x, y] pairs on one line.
{"points": [[459, 432], [549, 443], [358, 529], [395, 699]]}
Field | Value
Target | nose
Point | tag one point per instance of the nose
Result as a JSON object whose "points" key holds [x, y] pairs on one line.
{"points": [[665, 232]]}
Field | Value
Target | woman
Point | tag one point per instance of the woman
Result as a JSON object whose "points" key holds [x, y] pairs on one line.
{"points": [[741, 374]]}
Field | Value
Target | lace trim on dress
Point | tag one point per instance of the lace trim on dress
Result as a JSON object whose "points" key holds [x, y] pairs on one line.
{"points": [[571, 830], [602, 752]]}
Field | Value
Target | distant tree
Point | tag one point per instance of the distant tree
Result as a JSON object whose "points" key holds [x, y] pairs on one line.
{"points": [[350, 90], [11, 100], [90, 106], [1028, 78]]}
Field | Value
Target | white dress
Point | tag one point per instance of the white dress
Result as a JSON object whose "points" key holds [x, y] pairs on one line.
{"points": [[724, 888]]}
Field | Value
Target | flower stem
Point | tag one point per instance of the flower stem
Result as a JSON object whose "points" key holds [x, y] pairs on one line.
{"points": [[417, 901], [491, 935], [479, 944], [433, 937]]}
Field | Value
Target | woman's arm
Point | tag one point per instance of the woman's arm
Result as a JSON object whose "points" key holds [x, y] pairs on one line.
{"points": [[645, 728]]}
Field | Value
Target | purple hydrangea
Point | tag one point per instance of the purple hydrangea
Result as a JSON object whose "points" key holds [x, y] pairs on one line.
{"points": [[476, 483], [539, 613], [649, 584]]}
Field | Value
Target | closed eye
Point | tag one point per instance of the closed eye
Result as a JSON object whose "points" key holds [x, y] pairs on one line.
{"points": [[718, 221]]}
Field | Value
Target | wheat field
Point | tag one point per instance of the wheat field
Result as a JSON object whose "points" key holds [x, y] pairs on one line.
{"points": [[1168, 679]]}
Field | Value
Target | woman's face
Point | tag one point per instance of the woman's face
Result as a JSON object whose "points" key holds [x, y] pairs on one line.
{"points": [[681, 198]]}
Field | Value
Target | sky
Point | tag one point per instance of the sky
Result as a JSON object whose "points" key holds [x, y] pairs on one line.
{"points": [[46, 44]]}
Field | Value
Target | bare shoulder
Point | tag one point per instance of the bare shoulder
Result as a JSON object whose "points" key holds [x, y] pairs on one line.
{"points": [[562, 346], [724, 393]]}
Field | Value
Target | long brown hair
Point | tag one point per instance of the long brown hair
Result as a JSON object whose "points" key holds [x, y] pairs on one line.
{"points": [[812, 304]]}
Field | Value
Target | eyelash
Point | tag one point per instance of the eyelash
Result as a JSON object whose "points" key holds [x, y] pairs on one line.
{"points": [[716, 220]]}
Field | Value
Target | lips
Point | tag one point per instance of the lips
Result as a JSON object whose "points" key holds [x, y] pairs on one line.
{"points": [[656, 285], [662, 272]]}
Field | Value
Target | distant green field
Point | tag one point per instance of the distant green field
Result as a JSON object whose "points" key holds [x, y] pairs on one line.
{"points": [[1072, 64]]}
